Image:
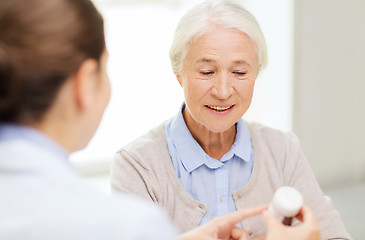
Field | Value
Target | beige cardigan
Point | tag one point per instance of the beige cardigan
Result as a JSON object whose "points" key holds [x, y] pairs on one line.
{"points": [[144, 167]]}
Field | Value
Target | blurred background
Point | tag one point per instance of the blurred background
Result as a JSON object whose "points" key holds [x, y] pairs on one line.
{"points": [[313, 86]]}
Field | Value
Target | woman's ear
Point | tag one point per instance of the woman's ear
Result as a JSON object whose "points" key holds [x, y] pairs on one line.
{"points": [[178, 77], [85, 81]]}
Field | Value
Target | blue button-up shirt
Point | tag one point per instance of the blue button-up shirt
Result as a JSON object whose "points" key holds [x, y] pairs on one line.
{"points": [[206, 179]]}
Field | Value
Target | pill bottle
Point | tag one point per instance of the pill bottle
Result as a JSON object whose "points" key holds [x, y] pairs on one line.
{"points": [[286, 203]]}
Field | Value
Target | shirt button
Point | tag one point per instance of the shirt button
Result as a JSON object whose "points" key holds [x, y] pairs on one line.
{"points": [[250, 232], [221, 198]]}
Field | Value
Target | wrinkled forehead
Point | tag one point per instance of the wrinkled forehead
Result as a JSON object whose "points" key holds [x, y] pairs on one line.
{"points": [[210, 33], [218, 42]]}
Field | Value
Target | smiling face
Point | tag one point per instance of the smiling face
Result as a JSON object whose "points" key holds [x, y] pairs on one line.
{"points": [[218, 78]]}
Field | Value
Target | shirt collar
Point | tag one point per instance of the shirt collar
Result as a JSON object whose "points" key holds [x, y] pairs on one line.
{"points": [[12, 132], [193, 156], [242, 146]]}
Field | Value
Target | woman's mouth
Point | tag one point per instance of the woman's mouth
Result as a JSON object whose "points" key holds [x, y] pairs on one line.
{"points": [[219, 108]]}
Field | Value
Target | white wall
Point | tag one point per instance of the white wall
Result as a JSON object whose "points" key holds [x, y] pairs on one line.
{"points": [[329, 87]]}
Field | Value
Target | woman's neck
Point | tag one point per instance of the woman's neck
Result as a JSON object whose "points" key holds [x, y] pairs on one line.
{"points": [[56, 133], [214, 144]]}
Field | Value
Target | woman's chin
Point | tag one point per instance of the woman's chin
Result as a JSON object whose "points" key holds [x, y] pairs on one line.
{"points": [[219, 128]]}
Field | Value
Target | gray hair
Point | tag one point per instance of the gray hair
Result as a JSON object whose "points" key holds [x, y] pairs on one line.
{"points": [[222, 13]]}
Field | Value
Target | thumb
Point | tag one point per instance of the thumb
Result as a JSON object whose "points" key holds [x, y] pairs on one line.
{"points": [[270, 220], [308, 215]]}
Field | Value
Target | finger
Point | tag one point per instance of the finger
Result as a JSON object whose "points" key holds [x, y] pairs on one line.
{"points": [[238, 216], [239, 233], [260, 237], [308, 215], [299, 216], [270, 220], [304, 210]]}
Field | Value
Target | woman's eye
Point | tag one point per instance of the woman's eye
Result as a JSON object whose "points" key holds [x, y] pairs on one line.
{"points": [[207, 73], [240, 73]]}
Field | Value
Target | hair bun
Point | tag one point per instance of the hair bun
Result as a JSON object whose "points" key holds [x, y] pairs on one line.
{"points": [[42, 43]]}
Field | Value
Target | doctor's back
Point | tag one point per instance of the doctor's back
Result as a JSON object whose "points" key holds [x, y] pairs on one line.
{"points": [[53, 91]]}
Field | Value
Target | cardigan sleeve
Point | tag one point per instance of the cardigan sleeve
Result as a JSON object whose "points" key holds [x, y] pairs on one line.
{"points": [[299, 175], [132, 175]]}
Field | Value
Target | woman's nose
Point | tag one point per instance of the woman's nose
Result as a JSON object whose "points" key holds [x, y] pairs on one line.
{"points": [[222, 88]]}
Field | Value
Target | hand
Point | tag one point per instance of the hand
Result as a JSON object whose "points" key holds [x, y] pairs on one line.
{"points": [[308, 230], [223, 227], [260, 237]]}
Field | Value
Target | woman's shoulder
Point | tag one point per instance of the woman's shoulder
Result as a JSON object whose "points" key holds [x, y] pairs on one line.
{"points": [[261, 132], [275, 147], [278, 141]]}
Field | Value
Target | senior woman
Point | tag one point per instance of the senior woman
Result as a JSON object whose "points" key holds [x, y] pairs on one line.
{"points": [[207, 161]]}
